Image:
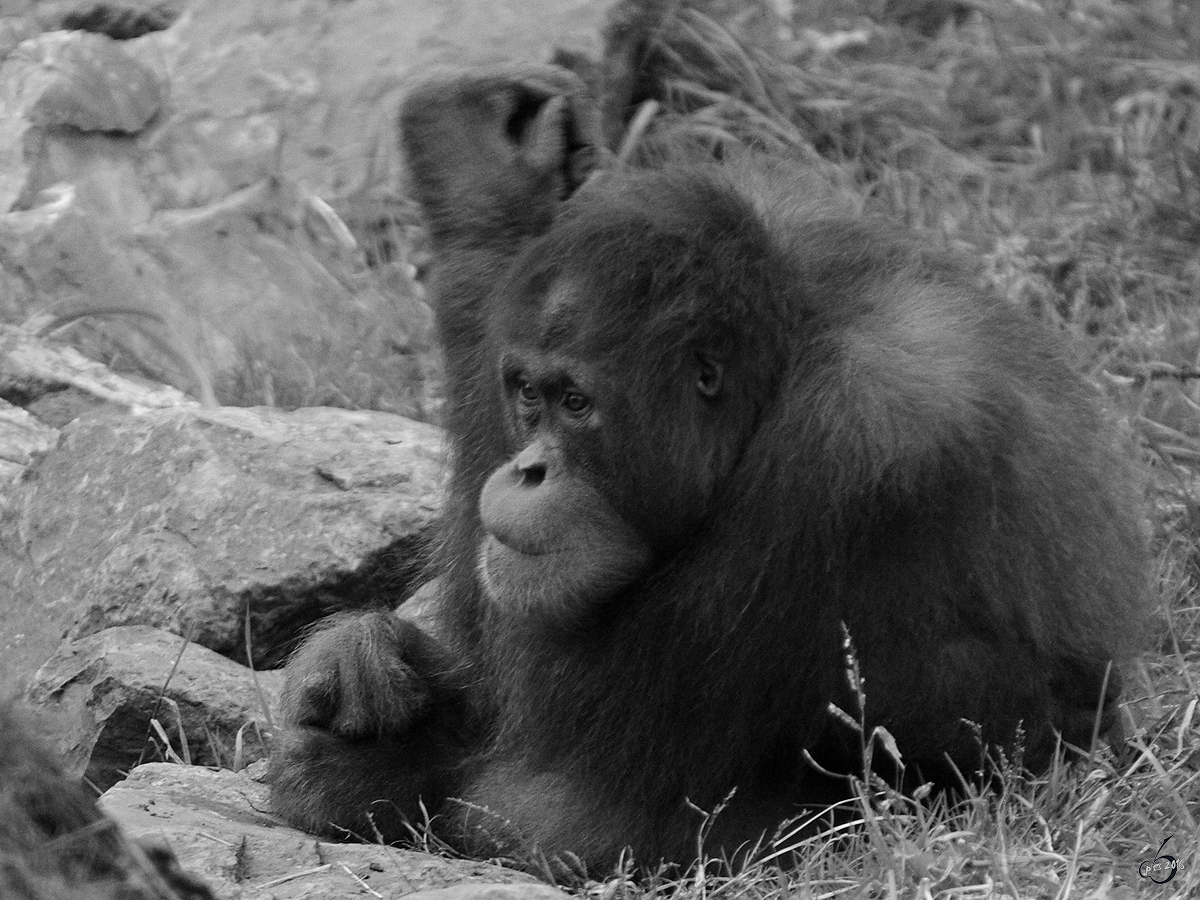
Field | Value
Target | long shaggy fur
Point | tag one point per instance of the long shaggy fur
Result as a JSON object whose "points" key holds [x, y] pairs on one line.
{"points": [[893, 453]]}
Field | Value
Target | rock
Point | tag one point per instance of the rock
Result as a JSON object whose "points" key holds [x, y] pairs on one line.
{"points": [[85, 81], [218, 825], [201, 241], [8, 472], [101, 692], [21, 437], [309, 90], [490, 892], [44, 386], [185, 519]]}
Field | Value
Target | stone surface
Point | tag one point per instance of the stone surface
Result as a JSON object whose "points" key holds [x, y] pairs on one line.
{"points": [[219, 825], [22, 436], [490, 892], [186, 518], [100, 693], [307, 90], [204, 199], [312, 87], [85, 81], [44, 385]]}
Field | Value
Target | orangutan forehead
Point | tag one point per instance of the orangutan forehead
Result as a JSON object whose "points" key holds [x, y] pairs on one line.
{"points": [[563, 315]]}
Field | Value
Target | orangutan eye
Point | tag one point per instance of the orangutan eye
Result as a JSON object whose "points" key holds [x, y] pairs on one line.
{"points": [[710, 378], [575, 403]]}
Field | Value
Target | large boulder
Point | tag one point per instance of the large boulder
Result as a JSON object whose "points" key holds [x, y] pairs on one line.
{"points": [[133, 693], [193, 520]]}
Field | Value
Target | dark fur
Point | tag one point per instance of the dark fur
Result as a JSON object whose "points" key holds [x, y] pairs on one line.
{"points": [[889, 448]]}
